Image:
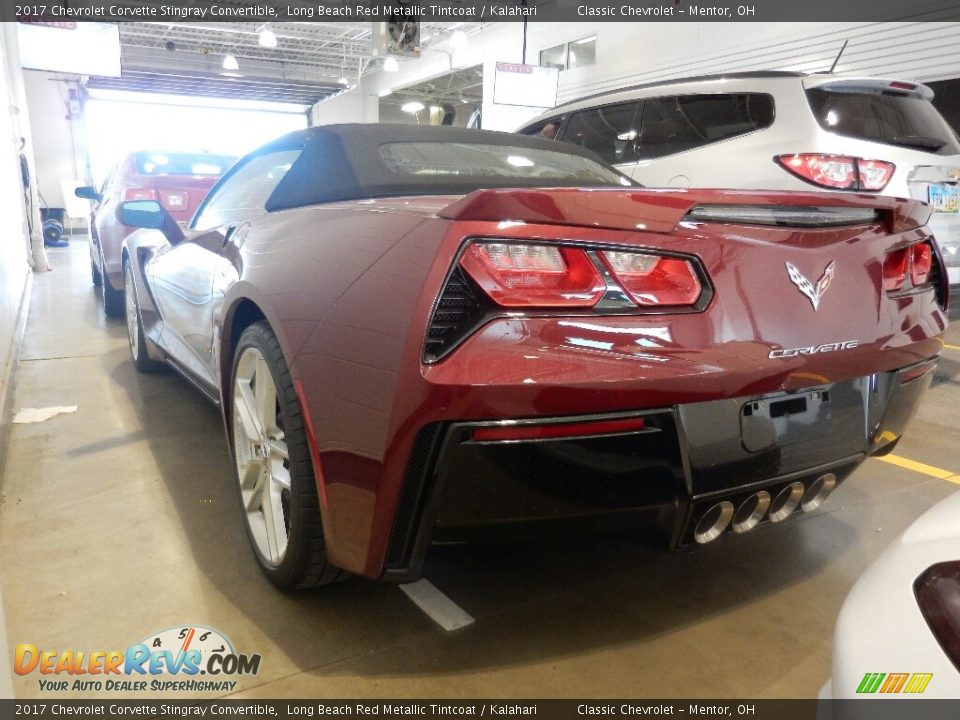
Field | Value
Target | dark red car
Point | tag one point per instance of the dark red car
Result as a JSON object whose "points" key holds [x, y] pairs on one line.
{"points": [[179, 181], [416, 334]]}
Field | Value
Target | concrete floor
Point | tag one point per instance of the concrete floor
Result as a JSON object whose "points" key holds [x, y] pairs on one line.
{"points": [[121, 519]]}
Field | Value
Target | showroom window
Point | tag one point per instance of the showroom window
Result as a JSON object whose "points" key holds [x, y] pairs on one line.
{"points": [[674, 124], [244, 194], [611, 132], [570, 55]]}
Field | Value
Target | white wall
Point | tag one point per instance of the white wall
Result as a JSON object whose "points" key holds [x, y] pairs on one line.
{"points": [[14, 238], [56, 137], [631, 53], [356, 105]]}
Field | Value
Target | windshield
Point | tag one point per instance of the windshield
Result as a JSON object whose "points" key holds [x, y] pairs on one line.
{"points": [[889, 117], [496, 166], [157, 163]]}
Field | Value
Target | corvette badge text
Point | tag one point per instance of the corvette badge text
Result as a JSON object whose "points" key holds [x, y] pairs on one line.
{"points": [[814, 349], [168, 661]]}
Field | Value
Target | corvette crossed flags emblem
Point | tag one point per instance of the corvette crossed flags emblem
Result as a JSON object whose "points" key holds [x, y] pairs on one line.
{"points": [[813, 292]]}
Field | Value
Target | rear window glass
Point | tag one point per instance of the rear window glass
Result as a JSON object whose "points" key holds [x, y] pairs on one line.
{"points": [[890, 118], [495, 165], [684, 122], [183, 164], [611, 132]]}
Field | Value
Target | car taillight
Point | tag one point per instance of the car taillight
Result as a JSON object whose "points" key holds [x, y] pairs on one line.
{"points": [[137, 193], [937, 591], [839, 172], [921, 260], [895, 270], [914, 261], [525, 275], [654, 279], [517, 274]]}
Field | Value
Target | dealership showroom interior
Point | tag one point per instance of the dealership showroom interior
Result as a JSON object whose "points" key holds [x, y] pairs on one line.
{"points": [[399, 357]]}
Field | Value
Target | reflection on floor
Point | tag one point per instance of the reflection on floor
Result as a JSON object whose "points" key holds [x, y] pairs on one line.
{"points": [[120, 520]]}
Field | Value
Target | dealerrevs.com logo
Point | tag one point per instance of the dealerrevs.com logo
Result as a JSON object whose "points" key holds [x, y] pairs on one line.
{"points": [[171, 660]]}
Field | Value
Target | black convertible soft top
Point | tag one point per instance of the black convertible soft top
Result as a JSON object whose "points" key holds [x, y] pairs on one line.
{"points": [[358, 161]]}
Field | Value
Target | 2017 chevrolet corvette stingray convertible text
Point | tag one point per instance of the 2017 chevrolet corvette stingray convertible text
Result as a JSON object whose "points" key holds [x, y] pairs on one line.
{"points": [[417, 333]]}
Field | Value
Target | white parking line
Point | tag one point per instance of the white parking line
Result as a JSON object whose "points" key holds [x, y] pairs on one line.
{"points": [[441, 609]]}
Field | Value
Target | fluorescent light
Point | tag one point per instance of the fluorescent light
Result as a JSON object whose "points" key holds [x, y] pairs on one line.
{"points": [[519, 161], [267, 38], [391, 65], [385, 92], [343, 80], [230, 62], [412, 107], [590, 39], [459, 40]]}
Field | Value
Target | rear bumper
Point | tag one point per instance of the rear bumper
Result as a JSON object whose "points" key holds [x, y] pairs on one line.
{"points": [[666, 476]]}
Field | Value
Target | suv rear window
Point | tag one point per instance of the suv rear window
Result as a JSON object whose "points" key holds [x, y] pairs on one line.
{"points": [[150, 163], [683, 122], [889, 117]]}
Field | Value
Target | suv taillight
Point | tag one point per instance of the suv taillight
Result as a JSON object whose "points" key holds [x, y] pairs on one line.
{"points": [[838, 172], [138, 193]]}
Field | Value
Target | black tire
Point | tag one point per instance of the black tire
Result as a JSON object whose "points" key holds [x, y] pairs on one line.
{"points": [[304, 563], [135, 340], [113, 304]]}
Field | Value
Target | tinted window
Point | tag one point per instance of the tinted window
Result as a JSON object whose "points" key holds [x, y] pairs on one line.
{"points": [[610, 132], [182, 164], [542, 129], [889, 117], [244, 193], [495, 165], [674, 124]]}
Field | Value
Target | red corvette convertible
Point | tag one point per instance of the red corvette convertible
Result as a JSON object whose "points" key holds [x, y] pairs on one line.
{"points": [[416, 334]]}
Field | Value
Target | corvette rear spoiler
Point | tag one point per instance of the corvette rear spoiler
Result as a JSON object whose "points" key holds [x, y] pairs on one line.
{"points": [[662, 210]]}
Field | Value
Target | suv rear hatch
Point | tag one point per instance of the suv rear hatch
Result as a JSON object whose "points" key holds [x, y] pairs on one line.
{"points": [[901, 116]]}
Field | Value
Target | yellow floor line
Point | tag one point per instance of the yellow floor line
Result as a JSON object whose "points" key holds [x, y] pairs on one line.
{"points": [[951, 347], [920, 467]]}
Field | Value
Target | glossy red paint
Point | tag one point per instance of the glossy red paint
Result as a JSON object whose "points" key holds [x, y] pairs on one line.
{"points": [[355, 327]]}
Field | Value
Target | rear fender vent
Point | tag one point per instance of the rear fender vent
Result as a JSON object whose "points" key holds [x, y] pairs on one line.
{"points": [[457, 313]]}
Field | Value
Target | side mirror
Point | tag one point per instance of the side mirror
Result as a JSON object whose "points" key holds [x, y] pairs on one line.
{"points": [[152, 215], [87, 192]]}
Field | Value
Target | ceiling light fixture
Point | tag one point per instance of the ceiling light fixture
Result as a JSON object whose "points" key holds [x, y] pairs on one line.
{"points": [[343, 80], [230, 62], [267, 38], [391, 65], [385, 92], [412, 107]]}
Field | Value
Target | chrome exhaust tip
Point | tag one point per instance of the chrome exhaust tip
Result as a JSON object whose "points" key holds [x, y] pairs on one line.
{"points": [[713, 522], [751, 512], [786, 501], [818, 491]]}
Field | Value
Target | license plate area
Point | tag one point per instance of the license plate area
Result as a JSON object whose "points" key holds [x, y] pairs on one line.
{"points": [[781, 420], [944, 198]]}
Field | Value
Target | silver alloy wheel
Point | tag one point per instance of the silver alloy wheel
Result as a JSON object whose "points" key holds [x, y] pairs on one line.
{"points": [[133, 322], [260, 451]]}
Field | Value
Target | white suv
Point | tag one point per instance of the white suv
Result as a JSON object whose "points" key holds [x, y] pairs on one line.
{"points": [[778, 130]]}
